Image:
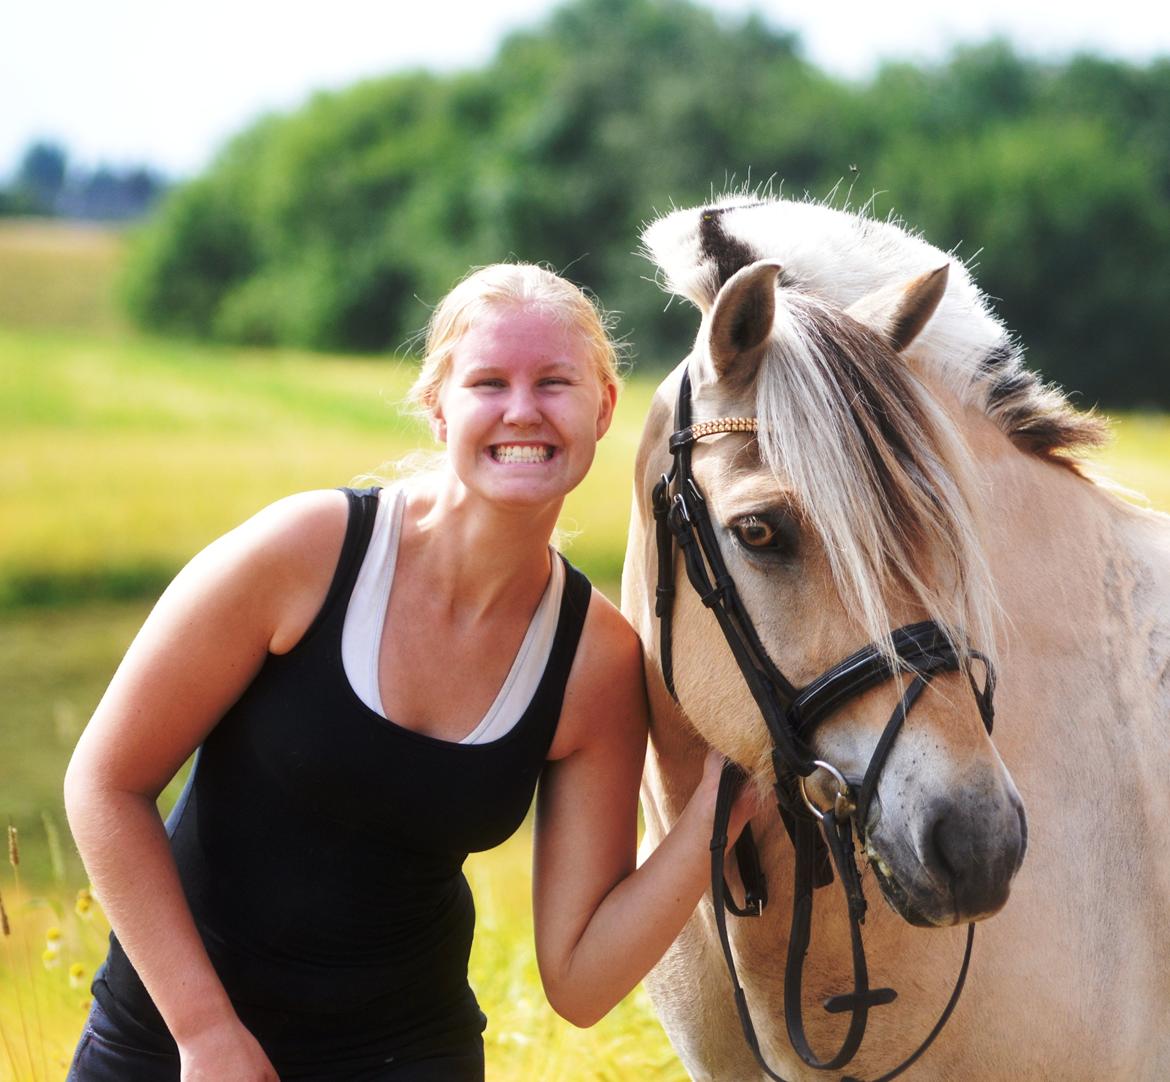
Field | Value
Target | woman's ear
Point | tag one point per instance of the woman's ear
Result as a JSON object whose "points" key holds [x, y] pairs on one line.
{"points": [[609, 394], [438, 425]]}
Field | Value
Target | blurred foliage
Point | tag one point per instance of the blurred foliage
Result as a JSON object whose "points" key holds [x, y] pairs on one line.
{"points": [[337, 225], [47, 184]]}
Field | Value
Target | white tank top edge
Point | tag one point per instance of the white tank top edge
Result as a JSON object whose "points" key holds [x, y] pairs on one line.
{"points": [[361, 636]]}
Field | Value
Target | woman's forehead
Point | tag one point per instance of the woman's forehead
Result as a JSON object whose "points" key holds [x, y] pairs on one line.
{"points": [[520, 336]]}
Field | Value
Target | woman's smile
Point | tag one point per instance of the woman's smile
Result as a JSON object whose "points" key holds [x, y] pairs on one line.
{"points": [[521, 454]]}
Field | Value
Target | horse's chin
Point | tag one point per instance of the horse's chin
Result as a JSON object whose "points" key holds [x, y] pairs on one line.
{"points": [[909, 908], [922, 907]]}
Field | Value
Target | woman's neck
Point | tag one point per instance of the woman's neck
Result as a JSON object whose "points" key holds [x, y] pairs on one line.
{"points": [[473, 550]]}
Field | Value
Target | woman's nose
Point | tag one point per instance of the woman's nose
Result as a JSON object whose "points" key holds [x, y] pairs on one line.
{"points": [[522, 410]]}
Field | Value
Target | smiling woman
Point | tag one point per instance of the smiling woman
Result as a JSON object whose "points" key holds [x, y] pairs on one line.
{"points": [[530, 385], [376, 682]]}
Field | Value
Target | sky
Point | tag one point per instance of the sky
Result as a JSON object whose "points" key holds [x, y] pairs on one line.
{"points": [[126, 82]]}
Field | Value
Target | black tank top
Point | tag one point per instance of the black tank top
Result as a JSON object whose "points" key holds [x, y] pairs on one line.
{"points": [[321, 847]]}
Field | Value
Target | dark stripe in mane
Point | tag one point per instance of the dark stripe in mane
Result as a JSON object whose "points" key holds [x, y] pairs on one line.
{"points": [[1037, 418], [1010, 385], [983, 367], [998, 357], [728, 254]]}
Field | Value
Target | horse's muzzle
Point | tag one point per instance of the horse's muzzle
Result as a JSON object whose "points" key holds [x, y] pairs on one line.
{"points": [[955, 863]]}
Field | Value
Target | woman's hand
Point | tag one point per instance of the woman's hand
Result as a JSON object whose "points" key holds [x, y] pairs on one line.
{"points": [[226, 1050], [748, 801]]}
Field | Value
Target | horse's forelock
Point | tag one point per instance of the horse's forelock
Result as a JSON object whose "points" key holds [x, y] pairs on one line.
{"points": [[848, 428]]}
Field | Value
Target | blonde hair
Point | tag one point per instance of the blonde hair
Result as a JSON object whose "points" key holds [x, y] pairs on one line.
{"points": [[512, 284]]}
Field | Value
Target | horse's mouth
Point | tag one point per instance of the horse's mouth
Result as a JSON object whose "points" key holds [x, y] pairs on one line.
{"points": [[899, 899]]}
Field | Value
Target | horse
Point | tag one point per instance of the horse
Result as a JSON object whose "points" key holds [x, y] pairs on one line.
{"points": [[897, 462]]}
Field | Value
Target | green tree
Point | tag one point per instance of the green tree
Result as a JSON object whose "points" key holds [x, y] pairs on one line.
{"points": [[335, 226], [1070, 233], [338, 225]]}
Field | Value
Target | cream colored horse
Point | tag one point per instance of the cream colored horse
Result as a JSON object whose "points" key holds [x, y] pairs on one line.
{"points": [[902, 475]]}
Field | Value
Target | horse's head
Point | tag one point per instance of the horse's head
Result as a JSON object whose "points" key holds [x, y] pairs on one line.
{"points": [[848, 513]]}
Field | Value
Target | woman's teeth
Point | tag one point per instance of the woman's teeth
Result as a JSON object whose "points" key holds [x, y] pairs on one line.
{"points": [[509, 453]]}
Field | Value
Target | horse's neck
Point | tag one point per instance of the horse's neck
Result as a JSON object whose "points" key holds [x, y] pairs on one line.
{"points": [[1084, 581]]}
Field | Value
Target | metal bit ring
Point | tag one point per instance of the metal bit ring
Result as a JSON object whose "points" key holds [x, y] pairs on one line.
{"points": [[843, 805]]}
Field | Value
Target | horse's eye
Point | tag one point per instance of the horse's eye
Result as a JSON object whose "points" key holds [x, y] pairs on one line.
{"points": [[757, 533]]}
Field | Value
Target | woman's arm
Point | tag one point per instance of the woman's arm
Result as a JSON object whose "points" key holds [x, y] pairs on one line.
{"points": [[600, 924], [254, 590]]}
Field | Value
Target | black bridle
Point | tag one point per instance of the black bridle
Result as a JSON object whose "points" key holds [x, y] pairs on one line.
{"points": [[791, 714]]}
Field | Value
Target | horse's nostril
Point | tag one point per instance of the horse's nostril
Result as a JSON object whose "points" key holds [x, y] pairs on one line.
{"points": [[943, 851]]}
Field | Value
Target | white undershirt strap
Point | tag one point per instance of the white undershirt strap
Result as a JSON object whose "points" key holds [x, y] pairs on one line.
{"points": [[365, 619]]}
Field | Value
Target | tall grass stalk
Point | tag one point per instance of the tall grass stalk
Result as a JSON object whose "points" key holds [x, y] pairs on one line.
{"points": [[6, 934], [34, 1049], [42, 1007]]}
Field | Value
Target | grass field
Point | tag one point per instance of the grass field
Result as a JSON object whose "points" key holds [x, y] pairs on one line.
{"points": [[56, 275], [120, 456]]}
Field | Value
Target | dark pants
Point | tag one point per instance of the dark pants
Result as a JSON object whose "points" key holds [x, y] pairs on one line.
{"points": [[105, 1054]]}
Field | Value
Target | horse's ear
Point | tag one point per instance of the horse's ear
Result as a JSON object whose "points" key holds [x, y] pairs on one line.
{"points": [[741, 320], [899, 313]]}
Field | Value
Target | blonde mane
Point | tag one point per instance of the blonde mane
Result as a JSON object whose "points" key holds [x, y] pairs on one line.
{"points": [[841, 256]]}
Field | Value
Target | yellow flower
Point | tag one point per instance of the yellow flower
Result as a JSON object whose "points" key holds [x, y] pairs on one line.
{"points": [[53, 936], [76, 975], [84, 904], [51, 957]]}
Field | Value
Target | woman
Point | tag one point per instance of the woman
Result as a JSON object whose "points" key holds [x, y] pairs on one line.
{"points": [[303, 913]]}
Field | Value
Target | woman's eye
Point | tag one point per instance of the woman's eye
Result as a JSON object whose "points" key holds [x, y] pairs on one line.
{"points": [[760, 535]]}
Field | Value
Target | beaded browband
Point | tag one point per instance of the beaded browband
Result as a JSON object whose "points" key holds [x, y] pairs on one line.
{"points": [[712, 428], [724, 424]]}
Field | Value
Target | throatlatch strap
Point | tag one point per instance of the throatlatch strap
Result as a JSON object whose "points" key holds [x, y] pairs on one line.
{"points": [[664, 591], [861, 999], [729, 783]]}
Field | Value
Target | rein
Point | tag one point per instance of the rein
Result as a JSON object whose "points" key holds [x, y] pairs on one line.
{"points": [[822, 840]]}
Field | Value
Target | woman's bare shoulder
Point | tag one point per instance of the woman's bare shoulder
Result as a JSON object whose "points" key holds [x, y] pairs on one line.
{"points": [[294, 545], [298, 526], [256, 587], [281, 560], [608, 634], [606, 694]]}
